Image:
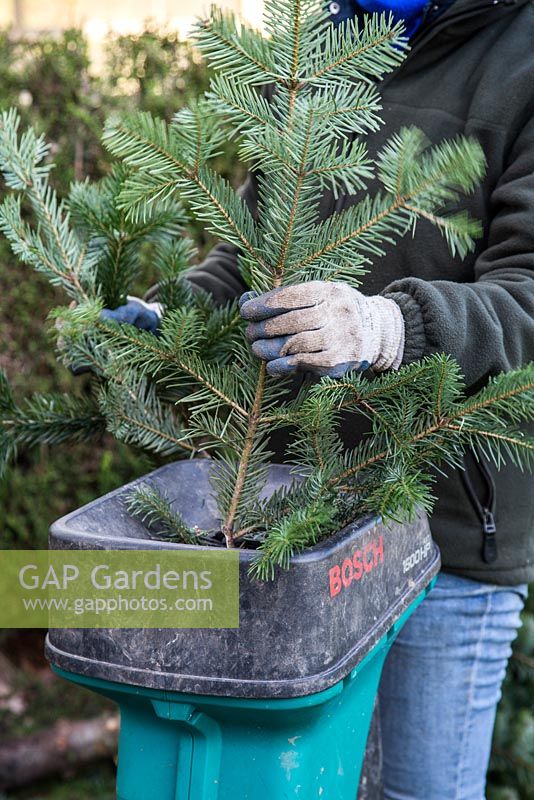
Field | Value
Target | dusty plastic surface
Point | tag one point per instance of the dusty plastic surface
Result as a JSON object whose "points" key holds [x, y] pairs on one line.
{"points": [[371, 783], [295, 637]]}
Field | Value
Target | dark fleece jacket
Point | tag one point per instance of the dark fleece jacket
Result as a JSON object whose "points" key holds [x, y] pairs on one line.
{"points": [[471, 71]]}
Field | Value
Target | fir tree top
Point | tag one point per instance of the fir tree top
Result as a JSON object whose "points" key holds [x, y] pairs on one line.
{"points": [[290, 97]]}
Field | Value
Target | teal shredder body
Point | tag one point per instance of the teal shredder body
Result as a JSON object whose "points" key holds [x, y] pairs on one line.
{"points": [[178, 746], [278, 707]]}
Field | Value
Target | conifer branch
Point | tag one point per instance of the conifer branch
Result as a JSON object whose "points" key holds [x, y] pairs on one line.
{"points": [[371, 51], [152, 149], [252, 426], [195, 387], [458, 421], [52, 248], [277, 275], [44, 419], [162, 522], [127, 335], [300, 176], [135, 415], [247, 57]]}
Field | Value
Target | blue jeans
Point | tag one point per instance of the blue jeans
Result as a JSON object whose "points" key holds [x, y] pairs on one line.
{"points": [[440, 688]]}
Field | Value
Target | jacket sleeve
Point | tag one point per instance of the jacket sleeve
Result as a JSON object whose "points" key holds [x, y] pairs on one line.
{"points": [[487, 325]]}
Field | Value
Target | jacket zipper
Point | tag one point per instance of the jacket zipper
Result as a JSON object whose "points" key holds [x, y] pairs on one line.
{"points": [[485, 509]]}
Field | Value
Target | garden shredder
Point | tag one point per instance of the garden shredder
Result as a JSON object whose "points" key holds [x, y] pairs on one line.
{"points": [[279, 707]]}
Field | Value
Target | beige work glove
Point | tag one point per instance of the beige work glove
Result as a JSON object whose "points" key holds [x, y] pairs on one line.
{"points": [[323, 327]]}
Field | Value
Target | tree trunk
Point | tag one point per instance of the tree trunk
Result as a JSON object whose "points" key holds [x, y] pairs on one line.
{"points": [[65, 747]]}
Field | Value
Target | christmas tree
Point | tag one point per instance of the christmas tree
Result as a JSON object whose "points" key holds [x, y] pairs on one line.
{"points": [[289, 97]]}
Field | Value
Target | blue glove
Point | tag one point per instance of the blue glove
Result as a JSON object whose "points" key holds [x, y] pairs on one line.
{"points": [[145, 316], [326, 328]]}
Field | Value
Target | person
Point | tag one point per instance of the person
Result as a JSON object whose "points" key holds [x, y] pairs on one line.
{"points": [[470, 70]]}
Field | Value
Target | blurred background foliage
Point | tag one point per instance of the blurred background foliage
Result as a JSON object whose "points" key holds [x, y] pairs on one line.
{"points": [[50, 81]]}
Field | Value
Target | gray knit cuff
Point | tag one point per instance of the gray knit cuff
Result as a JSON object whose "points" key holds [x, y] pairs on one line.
{"points": [[414, 327]]}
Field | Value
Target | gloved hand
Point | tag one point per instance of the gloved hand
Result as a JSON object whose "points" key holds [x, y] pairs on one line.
{"points": [[323, 327], [135, 311], [145, 316]]}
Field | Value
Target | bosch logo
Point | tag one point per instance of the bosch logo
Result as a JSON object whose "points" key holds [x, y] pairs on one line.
{"points": [[354, 568]]}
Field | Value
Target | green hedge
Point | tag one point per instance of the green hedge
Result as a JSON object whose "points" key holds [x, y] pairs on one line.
{"points": [[50, 81]]}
